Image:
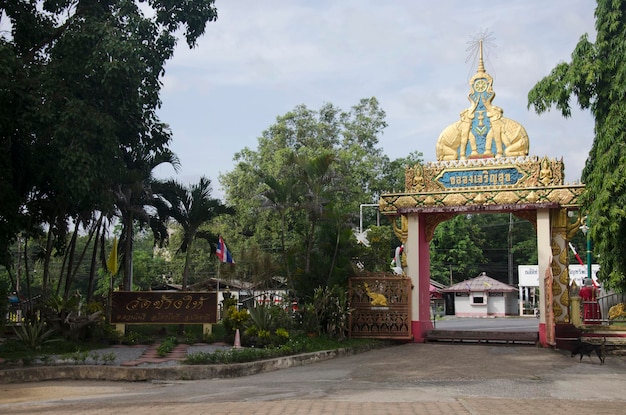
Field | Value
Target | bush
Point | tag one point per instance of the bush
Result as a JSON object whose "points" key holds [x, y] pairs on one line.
{"points": [[34, 334], [296, 345], [133, 338], [167, 346], [331, 307], [308, 320], [267, 326], [233, 320]]}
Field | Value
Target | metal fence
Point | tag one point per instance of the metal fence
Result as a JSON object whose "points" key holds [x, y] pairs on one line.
{"points": [[605, 302]]}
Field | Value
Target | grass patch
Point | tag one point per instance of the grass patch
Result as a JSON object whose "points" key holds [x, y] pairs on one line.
{"points": [[296, 345], [13, 350]]}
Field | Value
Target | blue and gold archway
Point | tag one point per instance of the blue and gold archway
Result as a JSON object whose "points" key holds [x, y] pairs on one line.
{"points": [[483, 165]]}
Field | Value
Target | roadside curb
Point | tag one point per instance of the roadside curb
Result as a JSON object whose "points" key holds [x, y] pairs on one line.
{"points": [[169, 373]]}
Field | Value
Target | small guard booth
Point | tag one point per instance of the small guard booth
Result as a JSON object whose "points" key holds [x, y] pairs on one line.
{"points": [[483, 296]]}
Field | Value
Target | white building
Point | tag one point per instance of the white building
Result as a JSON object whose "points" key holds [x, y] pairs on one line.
{"points": [[483, 296]]}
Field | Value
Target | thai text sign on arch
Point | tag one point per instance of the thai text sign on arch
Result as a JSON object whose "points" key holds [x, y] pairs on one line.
{"points": [[146, 307]]}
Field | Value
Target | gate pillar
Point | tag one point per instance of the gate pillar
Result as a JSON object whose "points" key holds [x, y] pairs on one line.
{"points": [[418, 269], [544, 253]]}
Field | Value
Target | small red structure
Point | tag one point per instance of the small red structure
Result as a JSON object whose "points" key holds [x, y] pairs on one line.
{"points": [[589, 297]]}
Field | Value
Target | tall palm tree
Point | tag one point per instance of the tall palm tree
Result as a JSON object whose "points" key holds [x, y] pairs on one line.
{"points": [[132, 195], [191, 207], [320, 182], [280, 195]]}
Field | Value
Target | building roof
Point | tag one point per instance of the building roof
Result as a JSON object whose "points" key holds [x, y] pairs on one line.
{"points": [[480, 283]]}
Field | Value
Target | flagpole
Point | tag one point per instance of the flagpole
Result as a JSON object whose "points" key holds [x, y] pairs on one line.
{"points": [[218, 275], [217, 294]]}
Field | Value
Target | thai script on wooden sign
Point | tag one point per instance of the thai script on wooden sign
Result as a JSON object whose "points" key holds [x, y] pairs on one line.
{"points": [[164, 307], [507, 176]]}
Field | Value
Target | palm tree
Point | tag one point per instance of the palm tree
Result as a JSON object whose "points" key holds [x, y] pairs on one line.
{"points": [[191, 207], [280, 195], [320, 182], [132, 195]]}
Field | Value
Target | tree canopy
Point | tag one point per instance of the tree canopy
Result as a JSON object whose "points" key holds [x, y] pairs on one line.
{"points": [[79, 94], [596, 76], [298, 193]]}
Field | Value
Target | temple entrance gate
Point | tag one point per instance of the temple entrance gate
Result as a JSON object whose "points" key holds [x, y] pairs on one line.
{"points": [[483, 167]]}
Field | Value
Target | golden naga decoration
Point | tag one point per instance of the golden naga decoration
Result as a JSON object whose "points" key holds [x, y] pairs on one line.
{"points": [[402, 231], [482, 125]]}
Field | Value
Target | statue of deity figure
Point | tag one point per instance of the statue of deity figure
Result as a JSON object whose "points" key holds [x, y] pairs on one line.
{"points": [[482, 126]]}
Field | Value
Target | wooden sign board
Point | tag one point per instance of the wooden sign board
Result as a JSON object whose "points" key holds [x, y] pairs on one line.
{"points": [[159, 307]]}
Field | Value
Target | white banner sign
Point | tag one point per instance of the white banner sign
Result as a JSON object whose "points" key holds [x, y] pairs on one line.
{"points": [[529, 274]]}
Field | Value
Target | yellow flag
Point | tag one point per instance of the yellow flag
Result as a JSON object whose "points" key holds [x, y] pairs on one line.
{"points": [[112, 261]]}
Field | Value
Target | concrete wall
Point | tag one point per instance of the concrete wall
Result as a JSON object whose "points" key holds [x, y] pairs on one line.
{"points": [[491, 306], [496, 306]]}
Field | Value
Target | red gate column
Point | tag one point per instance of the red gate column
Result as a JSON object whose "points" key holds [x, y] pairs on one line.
{"points": [[418, 269]]}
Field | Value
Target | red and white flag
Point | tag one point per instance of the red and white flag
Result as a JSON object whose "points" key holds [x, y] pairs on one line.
{"points": [[580, 261], [222, 252]]}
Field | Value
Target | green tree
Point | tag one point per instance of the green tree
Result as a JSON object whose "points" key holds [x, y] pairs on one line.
{"points": [[392, 176], [320, 186], [456, 250], [79, 95], [133, 197], [596, 75], [505, 236], [280, 196], [311, 170], [191, 207]]}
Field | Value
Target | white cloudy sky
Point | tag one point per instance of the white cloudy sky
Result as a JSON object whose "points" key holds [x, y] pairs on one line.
{"points": [[260, 59]]}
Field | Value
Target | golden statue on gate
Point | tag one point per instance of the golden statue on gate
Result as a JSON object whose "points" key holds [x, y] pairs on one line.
{"points": [[482, 125]]}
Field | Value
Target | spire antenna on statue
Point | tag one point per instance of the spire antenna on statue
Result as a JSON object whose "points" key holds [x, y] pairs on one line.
{"points": [[481, 63], [478, 48]]}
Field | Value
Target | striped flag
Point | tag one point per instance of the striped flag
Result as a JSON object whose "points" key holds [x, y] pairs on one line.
{"points": [[223, 254]]}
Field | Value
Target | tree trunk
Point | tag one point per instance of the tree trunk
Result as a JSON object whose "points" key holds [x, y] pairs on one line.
{"points": [[128, 253], [94, 261], [282, 243], [332, 263], [187, 262], [70, 269], [46, 263]]}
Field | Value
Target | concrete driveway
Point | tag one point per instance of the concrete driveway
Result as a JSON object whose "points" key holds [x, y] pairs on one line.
{"points": [[405, 379]]}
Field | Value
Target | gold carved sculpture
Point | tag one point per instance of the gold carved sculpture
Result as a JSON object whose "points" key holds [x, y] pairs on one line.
{"points": [[377, 299], [482, 123]]}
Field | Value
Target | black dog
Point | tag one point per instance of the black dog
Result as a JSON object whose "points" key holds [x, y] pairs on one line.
{"points": [[584, 348]]}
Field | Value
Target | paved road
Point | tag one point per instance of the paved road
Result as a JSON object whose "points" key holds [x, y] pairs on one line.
{"points": [[487, 324], [405, 379]]}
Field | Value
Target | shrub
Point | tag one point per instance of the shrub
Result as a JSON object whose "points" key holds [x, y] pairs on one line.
{"points": [[34, 334], [301, 344], [134, 337], [260, 317], [331, 307], [308, 320], [267, 326], [234, 320], [167, 346]]}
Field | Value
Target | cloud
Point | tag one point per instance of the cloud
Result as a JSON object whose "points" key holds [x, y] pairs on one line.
{"points": [[261, 59]]}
